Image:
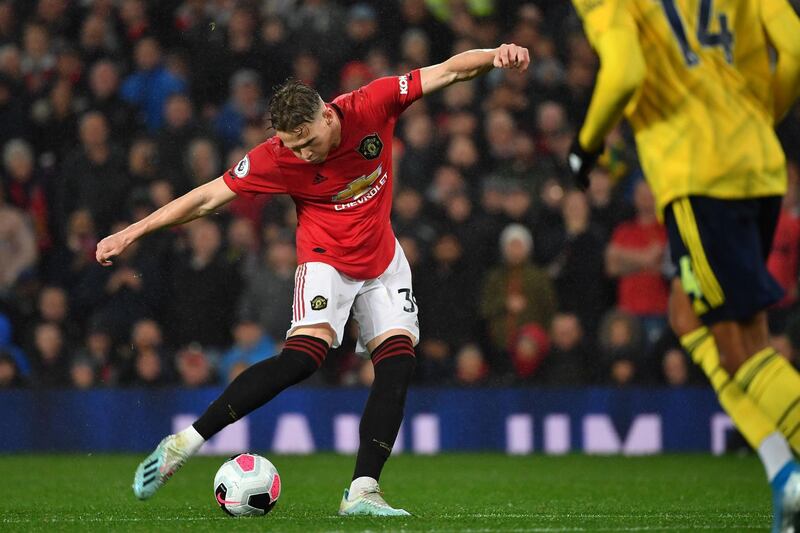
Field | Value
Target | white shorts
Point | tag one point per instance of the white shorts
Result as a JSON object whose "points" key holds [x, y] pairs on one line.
{"points": [[323, 295]]}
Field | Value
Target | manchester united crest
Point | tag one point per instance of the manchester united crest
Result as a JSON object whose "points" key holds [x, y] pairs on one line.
{"points": [[318, 303], [370, 146]]}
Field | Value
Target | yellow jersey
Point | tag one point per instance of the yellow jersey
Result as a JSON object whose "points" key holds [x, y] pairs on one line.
{"points": [[704, 115]]}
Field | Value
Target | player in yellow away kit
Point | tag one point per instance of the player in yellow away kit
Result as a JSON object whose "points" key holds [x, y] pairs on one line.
{"points": [[695, 80]]}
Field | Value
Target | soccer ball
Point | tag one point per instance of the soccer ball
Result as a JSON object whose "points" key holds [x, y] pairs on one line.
{"points": [[247, 485]]}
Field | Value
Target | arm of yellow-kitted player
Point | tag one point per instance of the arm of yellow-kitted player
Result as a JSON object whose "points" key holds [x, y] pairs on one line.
{"points": [[622, 71], [783, 30]]}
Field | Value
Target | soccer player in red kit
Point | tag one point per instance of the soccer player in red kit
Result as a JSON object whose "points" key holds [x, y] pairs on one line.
{"points": [[334, 160]]}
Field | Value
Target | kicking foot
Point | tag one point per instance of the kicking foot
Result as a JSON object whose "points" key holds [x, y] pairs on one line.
{"points": [[786, 500], [159, 466], [369, 502]]}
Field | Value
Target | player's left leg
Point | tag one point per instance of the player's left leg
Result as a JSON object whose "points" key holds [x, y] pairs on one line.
{"points": [[387, 316]]}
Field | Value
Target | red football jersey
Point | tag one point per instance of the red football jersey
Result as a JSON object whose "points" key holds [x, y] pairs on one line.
{"points": [[344, 203]]}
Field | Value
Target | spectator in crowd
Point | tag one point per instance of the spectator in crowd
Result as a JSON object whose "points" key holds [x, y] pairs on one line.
{"points": [[362, 31], [194, 367], [270, 290], [94, 175], [17, 246], [444, 308], [529, 348], [202, 161], [245, 105], [471, 369], [204, 290], [54, 121], [578, 271], [38, 61], [250, 346], [635, 256], [97, 349], [147, 362], [569, 363], [243, 246], [82, 373], [516, 292], [50, 357], [53, 306], [104, 97], [97, 39], [180, 128], [10, 376], [25, 188], [607, 207], [408, 217], [620, 340], [151, 84], [675, 368], [419, 155]]}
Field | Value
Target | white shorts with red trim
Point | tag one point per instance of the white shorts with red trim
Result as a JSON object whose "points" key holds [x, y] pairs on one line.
{"points": [[323, 295]]}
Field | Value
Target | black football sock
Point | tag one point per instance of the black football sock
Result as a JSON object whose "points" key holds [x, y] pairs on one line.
{"points": [[394, 366], [301, 357]]}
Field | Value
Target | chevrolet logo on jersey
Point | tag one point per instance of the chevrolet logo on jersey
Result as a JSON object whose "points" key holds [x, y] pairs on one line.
{"points": [[358, 187]]}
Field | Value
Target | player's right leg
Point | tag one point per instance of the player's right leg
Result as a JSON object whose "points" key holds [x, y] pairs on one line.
{"points": [[300, 358], [316, 326]]}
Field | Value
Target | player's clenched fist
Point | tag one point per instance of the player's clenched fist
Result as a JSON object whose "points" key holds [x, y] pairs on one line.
{"points": [[110, 247], [512, 56]]}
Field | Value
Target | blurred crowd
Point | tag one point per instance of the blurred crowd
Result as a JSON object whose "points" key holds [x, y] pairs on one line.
{"points": [[109, 109]]}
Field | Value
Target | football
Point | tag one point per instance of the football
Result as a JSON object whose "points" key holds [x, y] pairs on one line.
{"points": [[247, 485]]}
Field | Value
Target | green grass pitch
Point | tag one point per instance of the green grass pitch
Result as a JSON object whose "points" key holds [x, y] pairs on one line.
{"points": [[452, 492]]}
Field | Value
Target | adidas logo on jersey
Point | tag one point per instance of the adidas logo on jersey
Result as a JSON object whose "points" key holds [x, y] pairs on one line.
{"points": [[319, 178]]}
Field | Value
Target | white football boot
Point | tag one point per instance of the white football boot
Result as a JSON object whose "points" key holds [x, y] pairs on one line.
{"points": [[368, 502], [159, 466]]}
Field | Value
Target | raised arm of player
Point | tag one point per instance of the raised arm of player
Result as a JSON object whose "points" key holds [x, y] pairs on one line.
{"points": [[471, 64], [194, 204], [613, 34], [782, 27]]}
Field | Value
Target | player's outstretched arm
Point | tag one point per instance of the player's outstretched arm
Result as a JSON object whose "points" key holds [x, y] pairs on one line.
{"points": [[782, 27], [622, 72], [194, 204], [471, 64]]}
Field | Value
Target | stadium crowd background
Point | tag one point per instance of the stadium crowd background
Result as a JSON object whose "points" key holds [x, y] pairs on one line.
{"points": [[111, 108]]}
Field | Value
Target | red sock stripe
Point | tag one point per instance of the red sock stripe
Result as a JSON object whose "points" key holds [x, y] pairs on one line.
{"points": [[393, 347], [392, 341], [317, 355], [308, 346]]}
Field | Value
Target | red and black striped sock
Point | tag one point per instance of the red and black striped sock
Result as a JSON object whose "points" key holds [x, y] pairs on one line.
{"points": [[394, 367], [302, 355]]}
